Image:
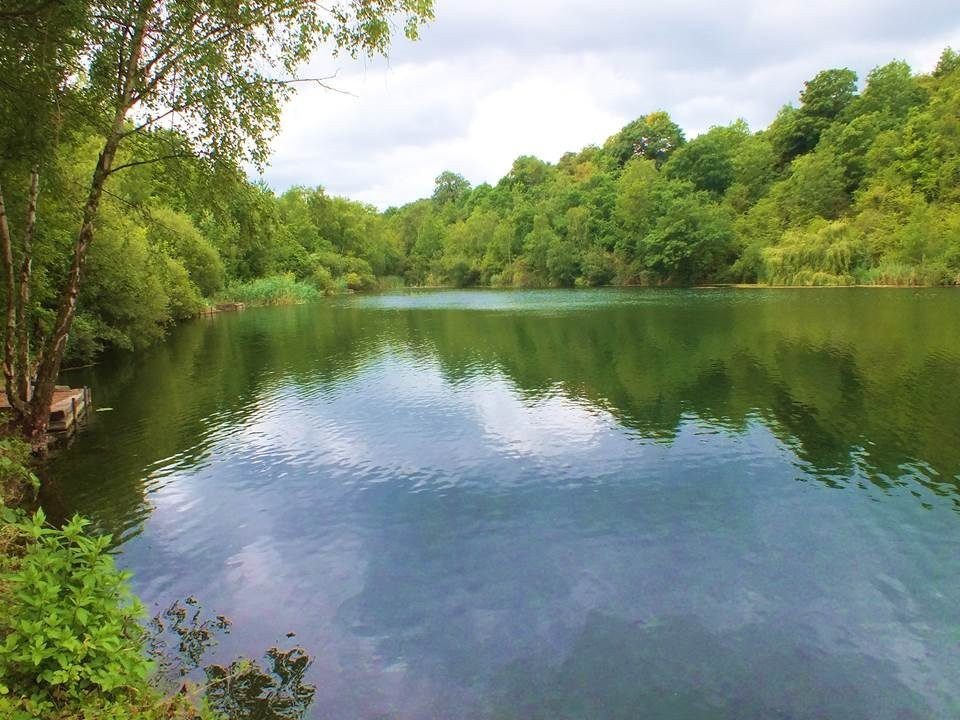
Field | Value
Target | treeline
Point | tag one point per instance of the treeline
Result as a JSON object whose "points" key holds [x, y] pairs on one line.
{"points": [[847, 187]]}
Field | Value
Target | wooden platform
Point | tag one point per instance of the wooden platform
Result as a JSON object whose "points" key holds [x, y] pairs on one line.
{"points": [[69, 406], [223, 307]]}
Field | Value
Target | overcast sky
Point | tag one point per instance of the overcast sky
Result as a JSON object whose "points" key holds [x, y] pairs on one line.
{"points": [[493, 79]]}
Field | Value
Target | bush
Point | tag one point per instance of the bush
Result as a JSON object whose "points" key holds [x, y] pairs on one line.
{"points": [[72, 647], [597, 268], [459, 272], [322, 280], [123, 292], [183, 297], [69, 628], [16, 479], [358, 274]]}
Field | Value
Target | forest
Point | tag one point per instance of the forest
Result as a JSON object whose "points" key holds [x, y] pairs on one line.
{"points": [[848, 186]]}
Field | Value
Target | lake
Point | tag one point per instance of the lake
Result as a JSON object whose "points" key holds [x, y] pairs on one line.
{"points": [[712, 503]]}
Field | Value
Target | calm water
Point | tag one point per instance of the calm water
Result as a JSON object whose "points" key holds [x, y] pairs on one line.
{"points": [[708, 504]]}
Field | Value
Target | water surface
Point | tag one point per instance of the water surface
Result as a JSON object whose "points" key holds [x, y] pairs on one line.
{"points": [[711, 504]]}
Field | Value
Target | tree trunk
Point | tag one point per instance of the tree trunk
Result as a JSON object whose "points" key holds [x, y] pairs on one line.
{"points": [[9, 351], [23, 301], [49, 366], [35, 424]]}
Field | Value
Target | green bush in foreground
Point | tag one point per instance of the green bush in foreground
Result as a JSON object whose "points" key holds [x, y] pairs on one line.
{"points": [[76, 627], [73, 646]]}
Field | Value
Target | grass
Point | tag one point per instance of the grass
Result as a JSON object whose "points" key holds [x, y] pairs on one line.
{"points": [[273, 290]]}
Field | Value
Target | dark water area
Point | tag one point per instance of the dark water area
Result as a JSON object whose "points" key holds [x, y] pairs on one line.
{"points": [[717, 504]]}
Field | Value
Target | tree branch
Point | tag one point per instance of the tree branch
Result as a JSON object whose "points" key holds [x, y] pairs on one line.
{"points": [[161, 158], [321, 81]]}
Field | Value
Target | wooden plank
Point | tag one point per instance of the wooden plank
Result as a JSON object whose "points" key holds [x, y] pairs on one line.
{"points": [[69, 405]]}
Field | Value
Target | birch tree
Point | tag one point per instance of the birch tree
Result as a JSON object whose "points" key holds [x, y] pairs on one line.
{"points": [[215, 71]]}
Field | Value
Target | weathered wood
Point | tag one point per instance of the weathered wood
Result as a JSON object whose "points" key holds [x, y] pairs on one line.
{"points": [[223, 307], [67, 408]]}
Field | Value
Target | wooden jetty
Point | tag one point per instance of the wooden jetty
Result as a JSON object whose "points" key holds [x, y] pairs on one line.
{"points": [[68, 407], [223, 307]]}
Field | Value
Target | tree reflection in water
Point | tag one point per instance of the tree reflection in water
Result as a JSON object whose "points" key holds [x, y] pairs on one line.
{"points": [[271, 689]]}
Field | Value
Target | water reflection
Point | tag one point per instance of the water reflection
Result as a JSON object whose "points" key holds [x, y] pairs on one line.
{"points": [[599, 504], [181, 637], [625, 669]]}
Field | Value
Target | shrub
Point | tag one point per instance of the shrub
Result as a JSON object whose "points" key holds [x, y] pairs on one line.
{"points": [[183, 297], [16, 479], [175, 234], [322, 280], [69, 627], [597, 268], [358, 275], [72, 647]]}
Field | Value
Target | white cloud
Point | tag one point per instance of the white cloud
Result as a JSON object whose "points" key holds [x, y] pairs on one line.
{"points": [[490, 81]]}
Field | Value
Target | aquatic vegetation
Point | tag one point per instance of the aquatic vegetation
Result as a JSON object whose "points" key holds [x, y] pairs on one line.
{"points": [[274, 290]]}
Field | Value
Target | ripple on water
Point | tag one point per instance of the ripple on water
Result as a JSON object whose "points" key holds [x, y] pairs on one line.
{"points": [[548, 504]]}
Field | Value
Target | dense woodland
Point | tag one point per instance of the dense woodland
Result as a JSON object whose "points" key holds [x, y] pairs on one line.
{"points": [[848, 186]]}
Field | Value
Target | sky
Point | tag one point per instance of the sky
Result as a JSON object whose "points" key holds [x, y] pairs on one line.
{"points": [[490, 80]]}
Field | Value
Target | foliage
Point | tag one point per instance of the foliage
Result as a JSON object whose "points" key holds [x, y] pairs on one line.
{"points": [[843, 188], [72, 646], [16, 479], [209, 87], [654, 137], [274, 290], [877, 171], [70, 625]]}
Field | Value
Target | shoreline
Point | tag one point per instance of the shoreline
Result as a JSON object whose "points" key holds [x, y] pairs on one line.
{"points": [[743, 286]]}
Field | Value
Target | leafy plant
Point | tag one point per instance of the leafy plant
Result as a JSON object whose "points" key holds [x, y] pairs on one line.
{"points": [[70, 625], [16, 478]]}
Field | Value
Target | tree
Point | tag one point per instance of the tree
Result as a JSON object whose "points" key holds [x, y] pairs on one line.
{"points": [[892, 91], [450, 188], [829, 93], [654, 137], [38, 56], [691, 241], [754, 170], [708, 160], [176, 235], [215, 71], [823, 101], [527, 173], [638, 197], [949, 63], [816, 188]]}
